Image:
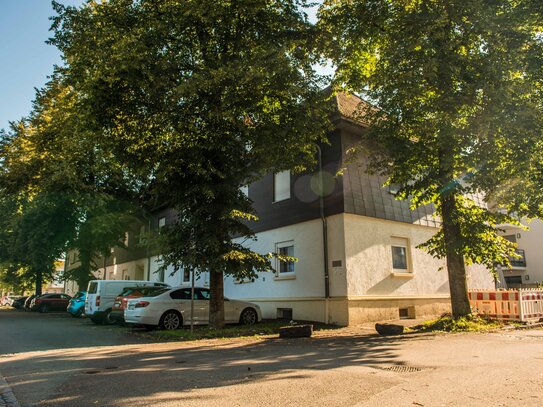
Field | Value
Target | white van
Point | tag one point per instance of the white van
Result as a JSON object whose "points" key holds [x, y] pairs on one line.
{"points": [[101, 296]]}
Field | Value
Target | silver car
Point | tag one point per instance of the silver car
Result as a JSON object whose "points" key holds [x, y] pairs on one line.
{"points": [[171, 308]]}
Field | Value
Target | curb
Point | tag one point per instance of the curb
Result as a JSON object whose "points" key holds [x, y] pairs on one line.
{"points": [[7, 398]]}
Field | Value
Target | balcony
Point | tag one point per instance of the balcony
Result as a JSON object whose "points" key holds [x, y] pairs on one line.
{"points": [[518, 261]]}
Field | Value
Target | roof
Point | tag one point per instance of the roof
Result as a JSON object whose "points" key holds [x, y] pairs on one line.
{"points": [[352, 107]]}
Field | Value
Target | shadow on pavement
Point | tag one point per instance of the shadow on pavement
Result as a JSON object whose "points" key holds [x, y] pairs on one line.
{"points": [[172, 372]]}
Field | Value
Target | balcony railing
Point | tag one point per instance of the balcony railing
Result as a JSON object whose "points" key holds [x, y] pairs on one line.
{"points": [[518, 261]]}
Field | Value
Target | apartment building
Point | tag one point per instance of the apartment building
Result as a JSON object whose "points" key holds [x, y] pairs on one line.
{"points": [[355, 243]]}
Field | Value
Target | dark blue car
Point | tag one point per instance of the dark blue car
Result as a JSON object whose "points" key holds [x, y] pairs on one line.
{"points": [[76, 306]]}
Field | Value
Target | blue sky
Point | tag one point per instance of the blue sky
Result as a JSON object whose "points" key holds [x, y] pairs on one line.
{"points": [[26, 59]]}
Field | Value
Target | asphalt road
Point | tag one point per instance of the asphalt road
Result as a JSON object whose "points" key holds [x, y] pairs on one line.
{"points": [[30, 331], [350, 367]]}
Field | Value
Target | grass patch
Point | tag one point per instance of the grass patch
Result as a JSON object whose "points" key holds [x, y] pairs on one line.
{"points": [[261, 329], [446, 323]]}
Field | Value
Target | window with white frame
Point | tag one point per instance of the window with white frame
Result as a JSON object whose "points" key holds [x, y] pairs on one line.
{"points": [[400, 254], [244, 189], [126, 238], [281, 186], [186, 275], [161, 223], [285, 249]]}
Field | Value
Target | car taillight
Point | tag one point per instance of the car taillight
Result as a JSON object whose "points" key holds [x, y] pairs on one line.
{"points": [[97, 302], [142, 304]]}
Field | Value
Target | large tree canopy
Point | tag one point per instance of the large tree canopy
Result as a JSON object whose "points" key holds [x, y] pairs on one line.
{"points": [[198, 98], [64, 191], [458, 111]]}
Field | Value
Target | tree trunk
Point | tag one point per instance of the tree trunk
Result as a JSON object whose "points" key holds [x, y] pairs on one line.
{"points": [[455, 260], [216, 302], [39, 281], [83, 282]]}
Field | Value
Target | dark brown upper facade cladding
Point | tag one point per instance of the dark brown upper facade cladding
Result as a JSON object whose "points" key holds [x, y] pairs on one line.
{"points": [[355, 191]]}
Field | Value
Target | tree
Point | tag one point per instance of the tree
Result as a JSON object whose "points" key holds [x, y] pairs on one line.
{"points": [[63, 190], [199, 98], [457, 108]]}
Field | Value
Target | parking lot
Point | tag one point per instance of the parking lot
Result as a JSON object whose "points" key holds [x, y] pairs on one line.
{"points": [[56, 360]]}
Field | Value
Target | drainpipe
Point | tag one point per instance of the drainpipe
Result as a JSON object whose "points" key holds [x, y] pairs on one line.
{"points": [[147, 254], [324, 235], [105, 267]]}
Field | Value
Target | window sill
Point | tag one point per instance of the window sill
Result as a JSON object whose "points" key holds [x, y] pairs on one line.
{"points": [[403, 274], [244, 281], [290, 276], [281, 200]]}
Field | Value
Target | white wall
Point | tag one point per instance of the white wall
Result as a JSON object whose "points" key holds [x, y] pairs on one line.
{"points": [[308, 279], [369, 261], [531, 241], [176, 279], [127, 271]]}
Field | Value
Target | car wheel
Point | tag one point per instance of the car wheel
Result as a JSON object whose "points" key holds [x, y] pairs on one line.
{"points": [[171, 320], [107, 318], [248, 317], [97, 321], [44, 308]]}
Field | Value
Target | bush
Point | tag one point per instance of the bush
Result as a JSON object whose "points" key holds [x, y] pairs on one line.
{"points": [[446, 323]]}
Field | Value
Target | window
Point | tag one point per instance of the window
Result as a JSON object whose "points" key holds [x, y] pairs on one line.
{"points": [[400, 260], [513, 280], [161, 223], [285, 249], [281, 186], [73, 257], [126, 237], [244, 189], [93, 288], [201, 294], [141, 236], [186, 275], [182, 294]]}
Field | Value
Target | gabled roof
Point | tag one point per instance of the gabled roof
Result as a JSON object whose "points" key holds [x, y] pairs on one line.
{"points": [[352, 108]]}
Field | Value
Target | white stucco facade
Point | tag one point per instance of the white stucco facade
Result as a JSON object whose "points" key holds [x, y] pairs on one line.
{"points": [[531, 242], [363, 285]]}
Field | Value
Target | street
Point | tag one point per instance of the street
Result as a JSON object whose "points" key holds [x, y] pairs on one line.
{"points": [[54, 360]]}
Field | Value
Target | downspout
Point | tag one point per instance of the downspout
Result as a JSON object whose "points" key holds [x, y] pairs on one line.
{"points": [[147, 254], [324, 236]]}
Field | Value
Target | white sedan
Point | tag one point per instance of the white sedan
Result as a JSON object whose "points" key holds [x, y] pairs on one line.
{"points": [[170, 309]]}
